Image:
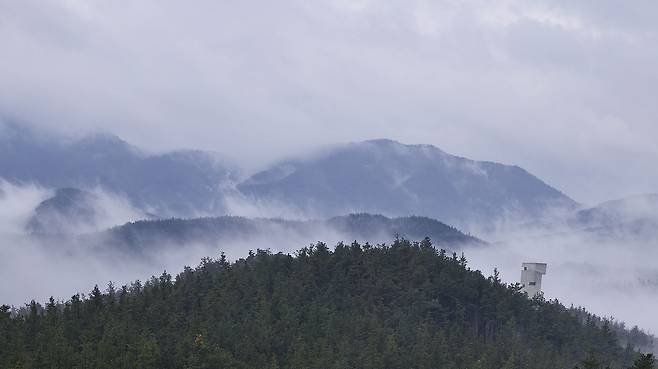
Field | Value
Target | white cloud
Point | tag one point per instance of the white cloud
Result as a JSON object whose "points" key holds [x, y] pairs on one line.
{"points": [[17, 203]]}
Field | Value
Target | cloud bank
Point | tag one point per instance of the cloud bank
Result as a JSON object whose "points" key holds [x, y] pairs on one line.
{"points": [[564, 89]]}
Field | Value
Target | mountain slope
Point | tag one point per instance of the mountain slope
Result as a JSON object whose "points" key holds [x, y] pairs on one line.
{"points": [[387, 177], [74, 211], [182, 183], [380, 176], [403, 306]]}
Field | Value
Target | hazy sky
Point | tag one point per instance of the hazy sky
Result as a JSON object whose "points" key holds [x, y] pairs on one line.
{"points": [[565, 89]]}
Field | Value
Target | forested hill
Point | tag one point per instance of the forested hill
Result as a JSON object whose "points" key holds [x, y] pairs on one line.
{"points": [[149, 234], [406, 305]]}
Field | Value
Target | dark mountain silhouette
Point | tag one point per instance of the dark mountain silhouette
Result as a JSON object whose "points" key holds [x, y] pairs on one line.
{"points": [[148, 234]]}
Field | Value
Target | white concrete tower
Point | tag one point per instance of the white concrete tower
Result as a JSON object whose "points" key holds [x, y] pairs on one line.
{"points": [[531, 277]]}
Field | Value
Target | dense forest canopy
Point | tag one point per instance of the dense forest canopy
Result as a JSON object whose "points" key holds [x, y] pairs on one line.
{"points": [[152, 234], [403, 305]]}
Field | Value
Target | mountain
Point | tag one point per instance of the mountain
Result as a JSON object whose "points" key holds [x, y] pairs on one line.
{"points": [[181, 183], [635, 216], [379, 176], [146, 235], [384, 176], [75, 211], [610, 213], [68, 208], [399, 306]]}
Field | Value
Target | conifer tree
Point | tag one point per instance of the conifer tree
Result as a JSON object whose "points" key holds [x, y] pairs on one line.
{"points": [[645, 361]]}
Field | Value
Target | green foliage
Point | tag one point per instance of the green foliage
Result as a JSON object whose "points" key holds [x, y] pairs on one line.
{"points": [[644, 362], [404, 305]]}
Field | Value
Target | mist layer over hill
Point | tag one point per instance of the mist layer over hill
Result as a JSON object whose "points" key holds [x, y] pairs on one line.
{"points": [[599, 257], [70, 257]]}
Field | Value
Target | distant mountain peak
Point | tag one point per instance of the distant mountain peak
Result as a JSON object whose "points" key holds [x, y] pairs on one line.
{"points": [[381, 142], [649, 199], [69, 193], [106, 144], [631, 209], [179, 183], [388, 144], [67, 208], [102, 138], [395, 179]]}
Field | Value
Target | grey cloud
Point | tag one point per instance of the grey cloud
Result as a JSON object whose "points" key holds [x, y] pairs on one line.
{"points": [[17, 204], [562, 89]]}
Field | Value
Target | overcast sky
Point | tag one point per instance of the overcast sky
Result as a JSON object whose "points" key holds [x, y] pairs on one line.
{"points": [[565, 89]]}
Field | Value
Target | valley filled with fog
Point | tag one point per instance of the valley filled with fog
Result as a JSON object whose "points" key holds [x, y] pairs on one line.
{"points": [[328, 184]]}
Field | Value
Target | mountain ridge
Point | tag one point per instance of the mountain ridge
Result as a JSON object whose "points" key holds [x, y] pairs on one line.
{"points": [[177, 183], [385, 176], [374, 176]]}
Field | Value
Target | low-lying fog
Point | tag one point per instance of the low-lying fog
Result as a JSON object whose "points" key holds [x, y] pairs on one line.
{"points": [[613, 278], [60, 265], [610, 276]]}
